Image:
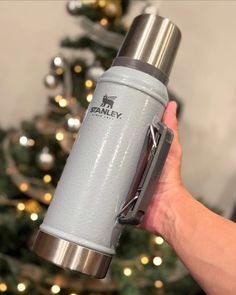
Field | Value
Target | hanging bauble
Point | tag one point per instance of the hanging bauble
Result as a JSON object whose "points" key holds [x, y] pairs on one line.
{"points": [[151, 7], [73, 123], [50, 81], [94, 72], [113, 9], [73, 6], [45, 159]]}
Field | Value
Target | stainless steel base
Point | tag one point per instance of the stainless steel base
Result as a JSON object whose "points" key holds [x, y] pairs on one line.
{"points": [[70, 255]]}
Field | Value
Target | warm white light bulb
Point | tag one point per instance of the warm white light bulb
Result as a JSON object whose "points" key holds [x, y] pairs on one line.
{"points": [[3, 287], [23, 140], [144, 259], [34, 216], [127, 271], [157, 261], [21, 287], [55, 289], [158, 284], [159, 240]]}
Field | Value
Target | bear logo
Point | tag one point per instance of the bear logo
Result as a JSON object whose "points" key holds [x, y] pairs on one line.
{"points": [[108, 101]]}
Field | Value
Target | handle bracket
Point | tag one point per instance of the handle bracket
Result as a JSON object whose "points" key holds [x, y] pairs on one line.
{"points": [[153, 155]]}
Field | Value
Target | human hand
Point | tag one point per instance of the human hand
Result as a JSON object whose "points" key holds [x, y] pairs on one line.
{"points": [[170, 181]]}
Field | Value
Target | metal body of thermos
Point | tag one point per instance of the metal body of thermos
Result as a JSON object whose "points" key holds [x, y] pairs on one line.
{"points": [[118, 155]]}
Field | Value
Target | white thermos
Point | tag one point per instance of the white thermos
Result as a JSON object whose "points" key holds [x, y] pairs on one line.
{"points": [[118, 155]]}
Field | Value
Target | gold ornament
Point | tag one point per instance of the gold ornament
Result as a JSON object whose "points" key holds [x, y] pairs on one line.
{"points": [[113, 9], [32, 206]]}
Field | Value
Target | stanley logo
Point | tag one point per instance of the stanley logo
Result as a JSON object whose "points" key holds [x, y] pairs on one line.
{"points": [[106, 108]]}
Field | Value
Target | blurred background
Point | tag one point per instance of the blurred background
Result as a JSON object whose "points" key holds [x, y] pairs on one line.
{"points": [[203, 76], [202, 79]]}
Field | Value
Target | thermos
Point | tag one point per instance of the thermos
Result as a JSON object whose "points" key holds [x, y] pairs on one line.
{"points": [[117, 158]]}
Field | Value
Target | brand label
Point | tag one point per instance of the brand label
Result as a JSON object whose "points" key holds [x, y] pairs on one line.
{"points": [[106, 108]]}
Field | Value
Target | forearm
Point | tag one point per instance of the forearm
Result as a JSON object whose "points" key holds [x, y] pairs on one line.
{"points": [[204, 241]]}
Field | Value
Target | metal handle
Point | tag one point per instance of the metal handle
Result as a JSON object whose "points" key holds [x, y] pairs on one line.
{"points": [[153, 155]]}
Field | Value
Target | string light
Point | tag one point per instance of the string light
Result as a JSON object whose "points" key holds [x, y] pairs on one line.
{"points": [[47, 197], [59, 71], [63, 103], [20, 206], [127, 271], [55, 289], [47, 178], [89, 83], [34, 216], [159, 240], [57, 61], [77, 69], [21, 287], [3, 287], [31, 142], [101, 3], [89, 97], [59, 136], [158, 284], [157, 261], [103, 21], [57, 98], [23, 140], [74, 122], [73, 294], [144, 259], [24, 186]]}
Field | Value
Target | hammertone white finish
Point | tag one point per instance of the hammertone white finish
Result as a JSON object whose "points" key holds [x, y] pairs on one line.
{"points": [[102, 163]]}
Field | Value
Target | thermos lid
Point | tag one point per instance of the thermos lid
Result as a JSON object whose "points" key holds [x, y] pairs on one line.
{"points": [[151, 40]]}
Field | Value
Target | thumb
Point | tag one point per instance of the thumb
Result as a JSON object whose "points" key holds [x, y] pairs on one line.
{"points": [[170, 119]]}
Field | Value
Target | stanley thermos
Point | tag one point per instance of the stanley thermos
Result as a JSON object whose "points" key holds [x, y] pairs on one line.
{"points": [[117, 158]]}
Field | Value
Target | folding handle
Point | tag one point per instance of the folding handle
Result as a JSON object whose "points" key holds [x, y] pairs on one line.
{"points": [[153, 155]]}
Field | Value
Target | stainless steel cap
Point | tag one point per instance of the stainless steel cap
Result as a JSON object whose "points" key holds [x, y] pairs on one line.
{"points": [[154, 40], [70, 255]]}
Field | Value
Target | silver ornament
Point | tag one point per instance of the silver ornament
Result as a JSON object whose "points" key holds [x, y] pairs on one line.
{"points": [[50, 81], [94, 73], [74, 6], [45, 159], [73, 123], [151, 7]]}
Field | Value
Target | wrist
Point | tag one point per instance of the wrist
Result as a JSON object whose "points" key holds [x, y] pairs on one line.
{"points": [[168, 211]]}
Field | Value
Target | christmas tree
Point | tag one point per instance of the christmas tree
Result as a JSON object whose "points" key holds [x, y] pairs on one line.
{"points": [[33, 156]]}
